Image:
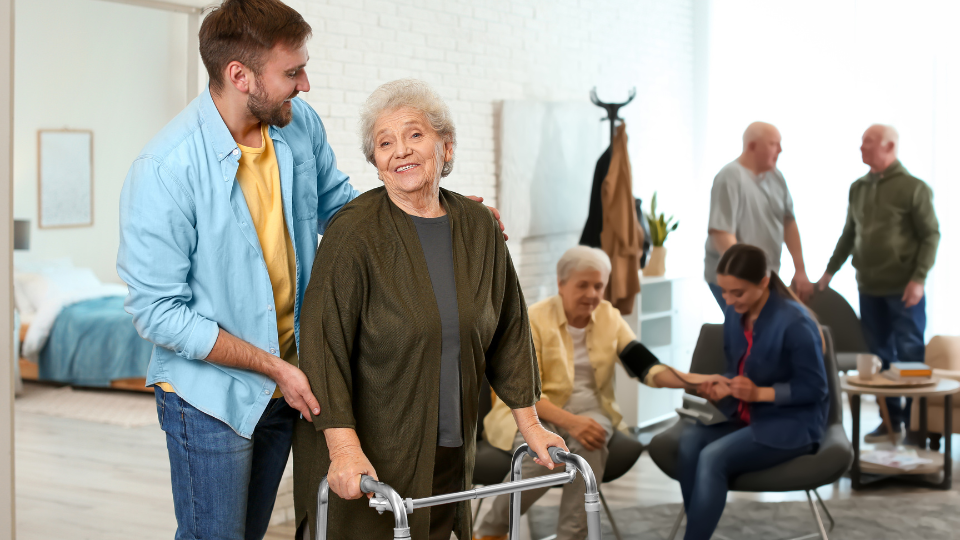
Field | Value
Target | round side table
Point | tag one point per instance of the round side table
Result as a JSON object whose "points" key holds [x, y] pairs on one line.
{"points": [[943, 387]]}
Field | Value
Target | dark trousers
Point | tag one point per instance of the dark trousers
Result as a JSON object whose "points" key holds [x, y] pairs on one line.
{"points": [[895, 334], [710, 457], [447, 478]]}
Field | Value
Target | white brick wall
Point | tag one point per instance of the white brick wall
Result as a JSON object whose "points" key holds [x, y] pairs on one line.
{"points": [[477, 53]]}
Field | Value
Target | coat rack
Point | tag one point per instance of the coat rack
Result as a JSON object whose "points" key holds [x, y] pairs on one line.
{"points": [[611, 108]]}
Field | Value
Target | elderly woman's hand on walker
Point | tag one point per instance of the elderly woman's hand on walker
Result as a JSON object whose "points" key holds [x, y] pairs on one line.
{"points": [[536, 436], [347, 463]]}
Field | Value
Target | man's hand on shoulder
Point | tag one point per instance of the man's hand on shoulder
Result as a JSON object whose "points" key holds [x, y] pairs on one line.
{"points": [[494, 211]]}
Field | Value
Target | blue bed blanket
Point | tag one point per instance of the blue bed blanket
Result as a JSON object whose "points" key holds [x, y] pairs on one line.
{"points": [[92, 343]]}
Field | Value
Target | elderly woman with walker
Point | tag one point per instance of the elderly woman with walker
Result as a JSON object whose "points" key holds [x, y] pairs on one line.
{"points": [[413, 298]]}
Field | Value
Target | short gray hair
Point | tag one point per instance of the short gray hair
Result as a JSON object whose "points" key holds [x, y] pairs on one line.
{"points": [[416, 95], [579, 258]]}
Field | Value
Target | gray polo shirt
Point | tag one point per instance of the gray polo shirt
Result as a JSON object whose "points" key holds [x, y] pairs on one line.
{"points": [[753, 208]]}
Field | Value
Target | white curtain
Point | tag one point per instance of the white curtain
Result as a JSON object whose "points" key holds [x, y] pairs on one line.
{"points": [[822, 72]]}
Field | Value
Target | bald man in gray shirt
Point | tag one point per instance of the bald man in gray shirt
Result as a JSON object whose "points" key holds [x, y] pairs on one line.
{"points": [[751, 204]]}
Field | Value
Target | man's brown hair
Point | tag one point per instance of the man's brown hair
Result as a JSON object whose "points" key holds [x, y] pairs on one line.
{"points": [[245, 31]]}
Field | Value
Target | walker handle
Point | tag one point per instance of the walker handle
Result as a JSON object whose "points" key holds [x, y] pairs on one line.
{"points": [[368, 484], [552, 450]]}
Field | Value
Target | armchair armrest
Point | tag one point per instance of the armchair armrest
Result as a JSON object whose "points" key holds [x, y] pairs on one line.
{"points": [[943, 352], [947, 373]]}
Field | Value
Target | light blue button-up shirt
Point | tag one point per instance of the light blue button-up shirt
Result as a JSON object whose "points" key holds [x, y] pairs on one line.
{"points": [[192, 260]]}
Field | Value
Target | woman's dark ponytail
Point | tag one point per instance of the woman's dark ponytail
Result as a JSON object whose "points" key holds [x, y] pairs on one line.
{"points": [[749, 263]]}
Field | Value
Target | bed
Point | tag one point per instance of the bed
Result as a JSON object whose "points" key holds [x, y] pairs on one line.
{"points": [[75, 330]]}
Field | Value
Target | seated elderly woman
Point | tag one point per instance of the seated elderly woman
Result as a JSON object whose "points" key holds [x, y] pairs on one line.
{"points": [[413, 299], [578, 337]]}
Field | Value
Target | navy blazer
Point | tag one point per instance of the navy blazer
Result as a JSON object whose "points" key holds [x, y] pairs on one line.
{"points": [[787, 355]]}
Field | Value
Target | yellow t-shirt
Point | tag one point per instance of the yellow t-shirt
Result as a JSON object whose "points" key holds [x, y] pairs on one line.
{"points": [[259, 178]]}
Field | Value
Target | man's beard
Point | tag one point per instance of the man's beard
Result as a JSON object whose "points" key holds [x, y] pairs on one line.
{"points": [[267, 112]]}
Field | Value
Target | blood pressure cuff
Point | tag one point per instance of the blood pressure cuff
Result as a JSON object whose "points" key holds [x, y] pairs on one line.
{"points": [[637, 360]]}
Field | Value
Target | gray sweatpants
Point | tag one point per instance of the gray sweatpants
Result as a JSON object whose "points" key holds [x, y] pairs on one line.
{"points": [[573, 515]]}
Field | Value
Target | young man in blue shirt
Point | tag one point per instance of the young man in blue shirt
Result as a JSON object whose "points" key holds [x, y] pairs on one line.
{"points": [[219, 217]]}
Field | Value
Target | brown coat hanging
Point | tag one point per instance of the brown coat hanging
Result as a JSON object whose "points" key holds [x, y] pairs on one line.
{"points": [[621, 237]]}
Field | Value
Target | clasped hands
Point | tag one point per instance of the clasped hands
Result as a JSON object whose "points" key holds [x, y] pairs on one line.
{"points": [[719, 387]]}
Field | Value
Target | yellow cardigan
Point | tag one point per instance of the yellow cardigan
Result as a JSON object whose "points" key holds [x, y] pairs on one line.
{"points": [[607, 335]]}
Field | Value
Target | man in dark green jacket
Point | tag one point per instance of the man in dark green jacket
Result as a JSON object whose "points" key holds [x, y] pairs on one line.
{"points": [[893, 233]]}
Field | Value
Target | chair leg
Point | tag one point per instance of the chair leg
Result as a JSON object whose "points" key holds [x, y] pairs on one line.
{"points": [[816, 515], [825, 511], [676, 526], [616, 531], [476, 513]]}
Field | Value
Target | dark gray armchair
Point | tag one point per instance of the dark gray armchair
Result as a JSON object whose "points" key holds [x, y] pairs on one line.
{"points": [[832, 310], [806, 473]]}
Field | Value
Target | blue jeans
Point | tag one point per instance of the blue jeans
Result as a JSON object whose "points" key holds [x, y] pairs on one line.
{"points": [[710, 457], [718, 294], [224, 486], [895, 334]]}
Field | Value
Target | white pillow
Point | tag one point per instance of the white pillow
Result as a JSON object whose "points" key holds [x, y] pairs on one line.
{"points": [[22, 301], [29, 265], [33, 291], [66, 282]]}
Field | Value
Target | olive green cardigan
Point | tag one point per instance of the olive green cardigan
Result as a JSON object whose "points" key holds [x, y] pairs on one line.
{"points": [[370, 346]]}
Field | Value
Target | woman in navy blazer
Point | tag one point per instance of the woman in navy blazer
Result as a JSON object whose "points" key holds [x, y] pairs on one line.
{"points": [[776, 395]]}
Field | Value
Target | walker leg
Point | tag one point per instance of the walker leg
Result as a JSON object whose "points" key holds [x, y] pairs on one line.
{"points": [[516, 465], [591, 498], [323, 493]]}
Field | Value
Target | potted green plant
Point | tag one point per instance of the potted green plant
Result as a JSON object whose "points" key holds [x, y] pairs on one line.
{"points": [[660, 227]]}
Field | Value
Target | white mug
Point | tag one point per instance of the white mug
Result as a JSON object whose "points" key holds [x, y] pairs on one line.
{"points": [[868, 365]]}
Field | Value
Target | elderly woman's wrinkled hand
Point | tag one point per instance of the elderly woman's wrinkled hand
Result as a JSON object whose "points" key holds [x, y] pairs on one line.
{"points": [[347, 465], [587, 431], [539, 439]]}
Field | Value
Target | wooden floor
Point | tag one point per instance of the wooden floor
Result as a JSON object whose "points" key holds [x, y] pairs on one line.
{"points": [[81, 480]]}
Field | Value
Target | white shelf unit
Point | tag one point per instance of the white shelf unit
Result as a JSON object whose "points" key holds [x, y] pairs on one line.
{"points": [[668, 323]]}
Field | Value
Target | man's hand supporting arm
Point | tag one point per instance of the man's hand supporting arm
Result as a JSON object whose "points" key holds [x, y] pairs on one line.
{"points": [[232, 351]]}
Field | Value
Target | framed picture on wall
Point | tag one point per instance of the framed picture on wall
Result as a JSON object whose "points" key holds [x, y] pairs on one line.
{"points": [[65, 178]]}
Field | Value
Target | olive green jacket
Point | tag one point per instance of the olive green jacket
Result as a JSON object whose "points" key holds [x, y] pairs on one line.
{"points": [[370, 346], [891, 229]]}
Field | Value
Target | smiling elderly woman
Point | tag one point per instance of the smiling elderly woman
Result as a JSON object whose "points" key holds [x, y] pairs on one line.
{"points": [[413, 299]]}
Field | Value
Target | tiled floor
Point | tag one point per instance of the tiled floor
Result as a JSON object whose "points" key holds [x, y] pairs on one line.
{"points": [[83, 480]]}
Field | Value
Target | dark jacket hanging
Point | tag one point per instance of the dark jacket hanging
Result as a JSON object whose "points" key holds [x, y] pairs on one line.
{"points": [[591, 231]]}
